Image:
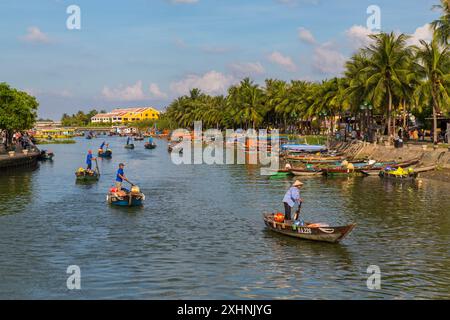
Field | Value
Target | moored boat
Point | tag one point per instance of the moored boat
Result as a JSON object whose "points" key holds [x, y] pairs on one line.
{"points": [[45, 155], [139, 138], [399, 174], [309, 231]]}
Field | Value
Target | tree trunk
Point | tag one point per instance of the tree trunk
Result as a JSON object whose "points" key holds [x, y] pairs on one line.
{"points": [[389, 114], [435, 105]]}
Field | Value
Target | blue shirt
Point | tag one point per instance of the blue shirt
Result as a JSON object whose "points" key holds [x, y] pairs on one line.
{"points": [[150, 140], [89, 159], [292, 196], [119, 172], [102, 145]]}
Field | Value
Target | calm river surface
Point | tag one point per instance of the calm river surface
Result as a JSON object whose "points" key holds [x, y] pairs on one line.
{"points": [[200, 234]]}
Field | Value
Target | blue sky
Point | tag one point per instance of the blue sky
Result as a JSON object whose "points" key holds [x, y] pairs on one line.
{"points": [[146, 52]]}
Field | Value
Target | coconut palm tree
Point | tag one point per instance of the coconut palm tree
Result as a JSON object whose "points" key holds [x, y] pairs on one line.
{"points": [[433, 65], [441, 26], [387, 71]]}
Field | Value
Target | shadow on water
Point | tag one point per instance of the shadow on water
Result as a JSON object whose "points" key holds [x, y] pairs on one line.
{"points": [[16, 190]]}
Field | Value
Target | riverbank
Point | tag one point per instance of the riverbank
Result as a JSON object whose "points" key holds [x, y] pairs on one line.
{"points": [[427, 153], [19, 160]]}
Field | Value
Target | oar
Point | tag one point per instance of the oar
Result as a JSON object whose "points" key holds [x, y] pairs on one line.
{"points": [[96, 166], [297, 213]]}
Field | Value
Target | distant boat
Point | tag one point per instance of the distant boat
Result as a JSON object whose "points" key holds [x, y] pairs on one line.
{"points": [[129, 146]]}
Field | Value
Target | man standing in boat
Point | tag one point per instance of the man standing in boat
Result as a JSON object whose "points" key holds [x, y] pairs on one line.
{"points": [[291, 198], [89, 159], [120, 177]]}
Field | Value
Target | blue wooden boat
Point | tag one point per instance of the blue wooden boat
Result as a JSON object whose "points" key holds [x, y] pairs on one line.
{"points": [[105, 154], [125, 198]]}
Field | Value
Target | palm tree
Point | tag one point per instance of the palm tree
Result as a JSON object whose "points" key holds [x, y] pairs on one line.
{"points": [[433, 65], [386, 71], [441, 26]]}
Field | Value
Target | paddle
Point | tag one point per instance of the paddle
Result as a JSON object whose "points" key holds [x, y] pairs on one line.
{"points": [[297, 213], [96, 166]]}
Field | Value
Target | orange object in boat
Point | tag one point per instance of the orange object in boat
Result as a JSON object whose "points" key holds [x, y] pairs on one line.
{"points": [[113, 189], [278, 217]]}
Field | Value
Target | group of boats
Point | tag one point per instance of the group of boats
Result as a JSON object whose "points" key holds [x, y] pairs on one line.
{"points": [[124, 197], [307, 164]]}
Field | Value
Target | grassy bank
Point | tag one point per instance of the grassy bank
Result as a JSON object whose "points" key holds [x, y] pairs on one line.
{"points": [[56, 141]]}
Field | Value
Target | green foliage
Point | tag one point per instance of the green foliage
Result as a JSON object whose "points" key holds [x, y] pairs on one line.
{"points": [[17, 110], [80, 119]]}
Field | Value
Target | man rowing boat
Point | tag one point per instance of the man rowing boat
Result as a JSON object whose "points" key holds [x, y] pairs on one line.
{"points": [[291, 198], [120, 177], [89, 159]]}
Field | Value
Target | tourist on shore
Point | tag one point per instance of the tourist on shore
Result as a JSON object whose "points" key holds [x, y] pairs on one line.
{"points": [[291, 198], [89, 159], [120, 177]]}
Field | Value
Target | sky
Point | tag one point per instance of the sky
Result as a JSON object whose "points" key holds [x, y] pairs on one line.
{"points": [[148, 52]]}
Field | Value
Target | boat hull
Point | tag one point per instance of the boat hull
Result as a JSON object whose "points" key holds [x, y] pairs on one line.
{"points": [[129, 146], [149, 146], [106, 154], [136, 200], [322, 234]]}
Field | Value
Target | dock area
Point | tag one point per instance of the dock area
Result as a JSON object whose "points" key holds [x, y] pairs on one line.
{"points": [[19, 160]]}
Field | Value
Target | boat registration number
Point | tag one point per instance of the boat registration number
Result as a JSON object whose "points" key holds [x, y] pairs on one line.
{"points": [[304, 230]]}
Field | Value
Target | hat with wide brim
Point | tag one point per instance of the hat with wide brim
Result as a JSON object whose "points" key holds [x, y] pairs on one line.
{"points": [[297, 183]]}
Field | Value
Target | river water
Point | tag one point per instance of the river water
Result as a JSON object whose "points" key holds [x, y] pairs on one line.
{"points": [[200, 234]]}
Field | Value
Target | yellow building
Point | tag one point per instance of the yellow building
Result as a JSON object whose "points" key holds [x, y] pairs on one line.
{"points": [[126, 115]]}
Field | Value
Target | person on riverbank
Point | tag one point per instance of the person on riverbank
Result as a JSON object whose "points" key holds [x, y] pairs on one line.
{"points": [[120, 177], [89, 159], [291, 198]]}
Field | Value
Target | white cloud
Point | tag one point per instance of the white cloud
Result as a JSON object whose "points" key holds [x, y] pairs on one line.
{"points": [[306, 36], [212, 82], [284, 61], [130, 93], [359, 36], [243, 69], [422, 33], [328, 60], [52, 93], [156, 92], [35, 35]]}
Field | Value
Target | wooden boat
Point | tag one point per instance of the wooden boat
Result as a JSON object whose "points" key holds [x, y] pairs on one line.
{"points": [[87, 176], [306, 171], [309, 231], [397, 177], [149, 145], [125, 198], [315, 159], [45, 155], [340, 171], [105, 154], [129, 146], [140, 138], [375, 169], [171, 148]]}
